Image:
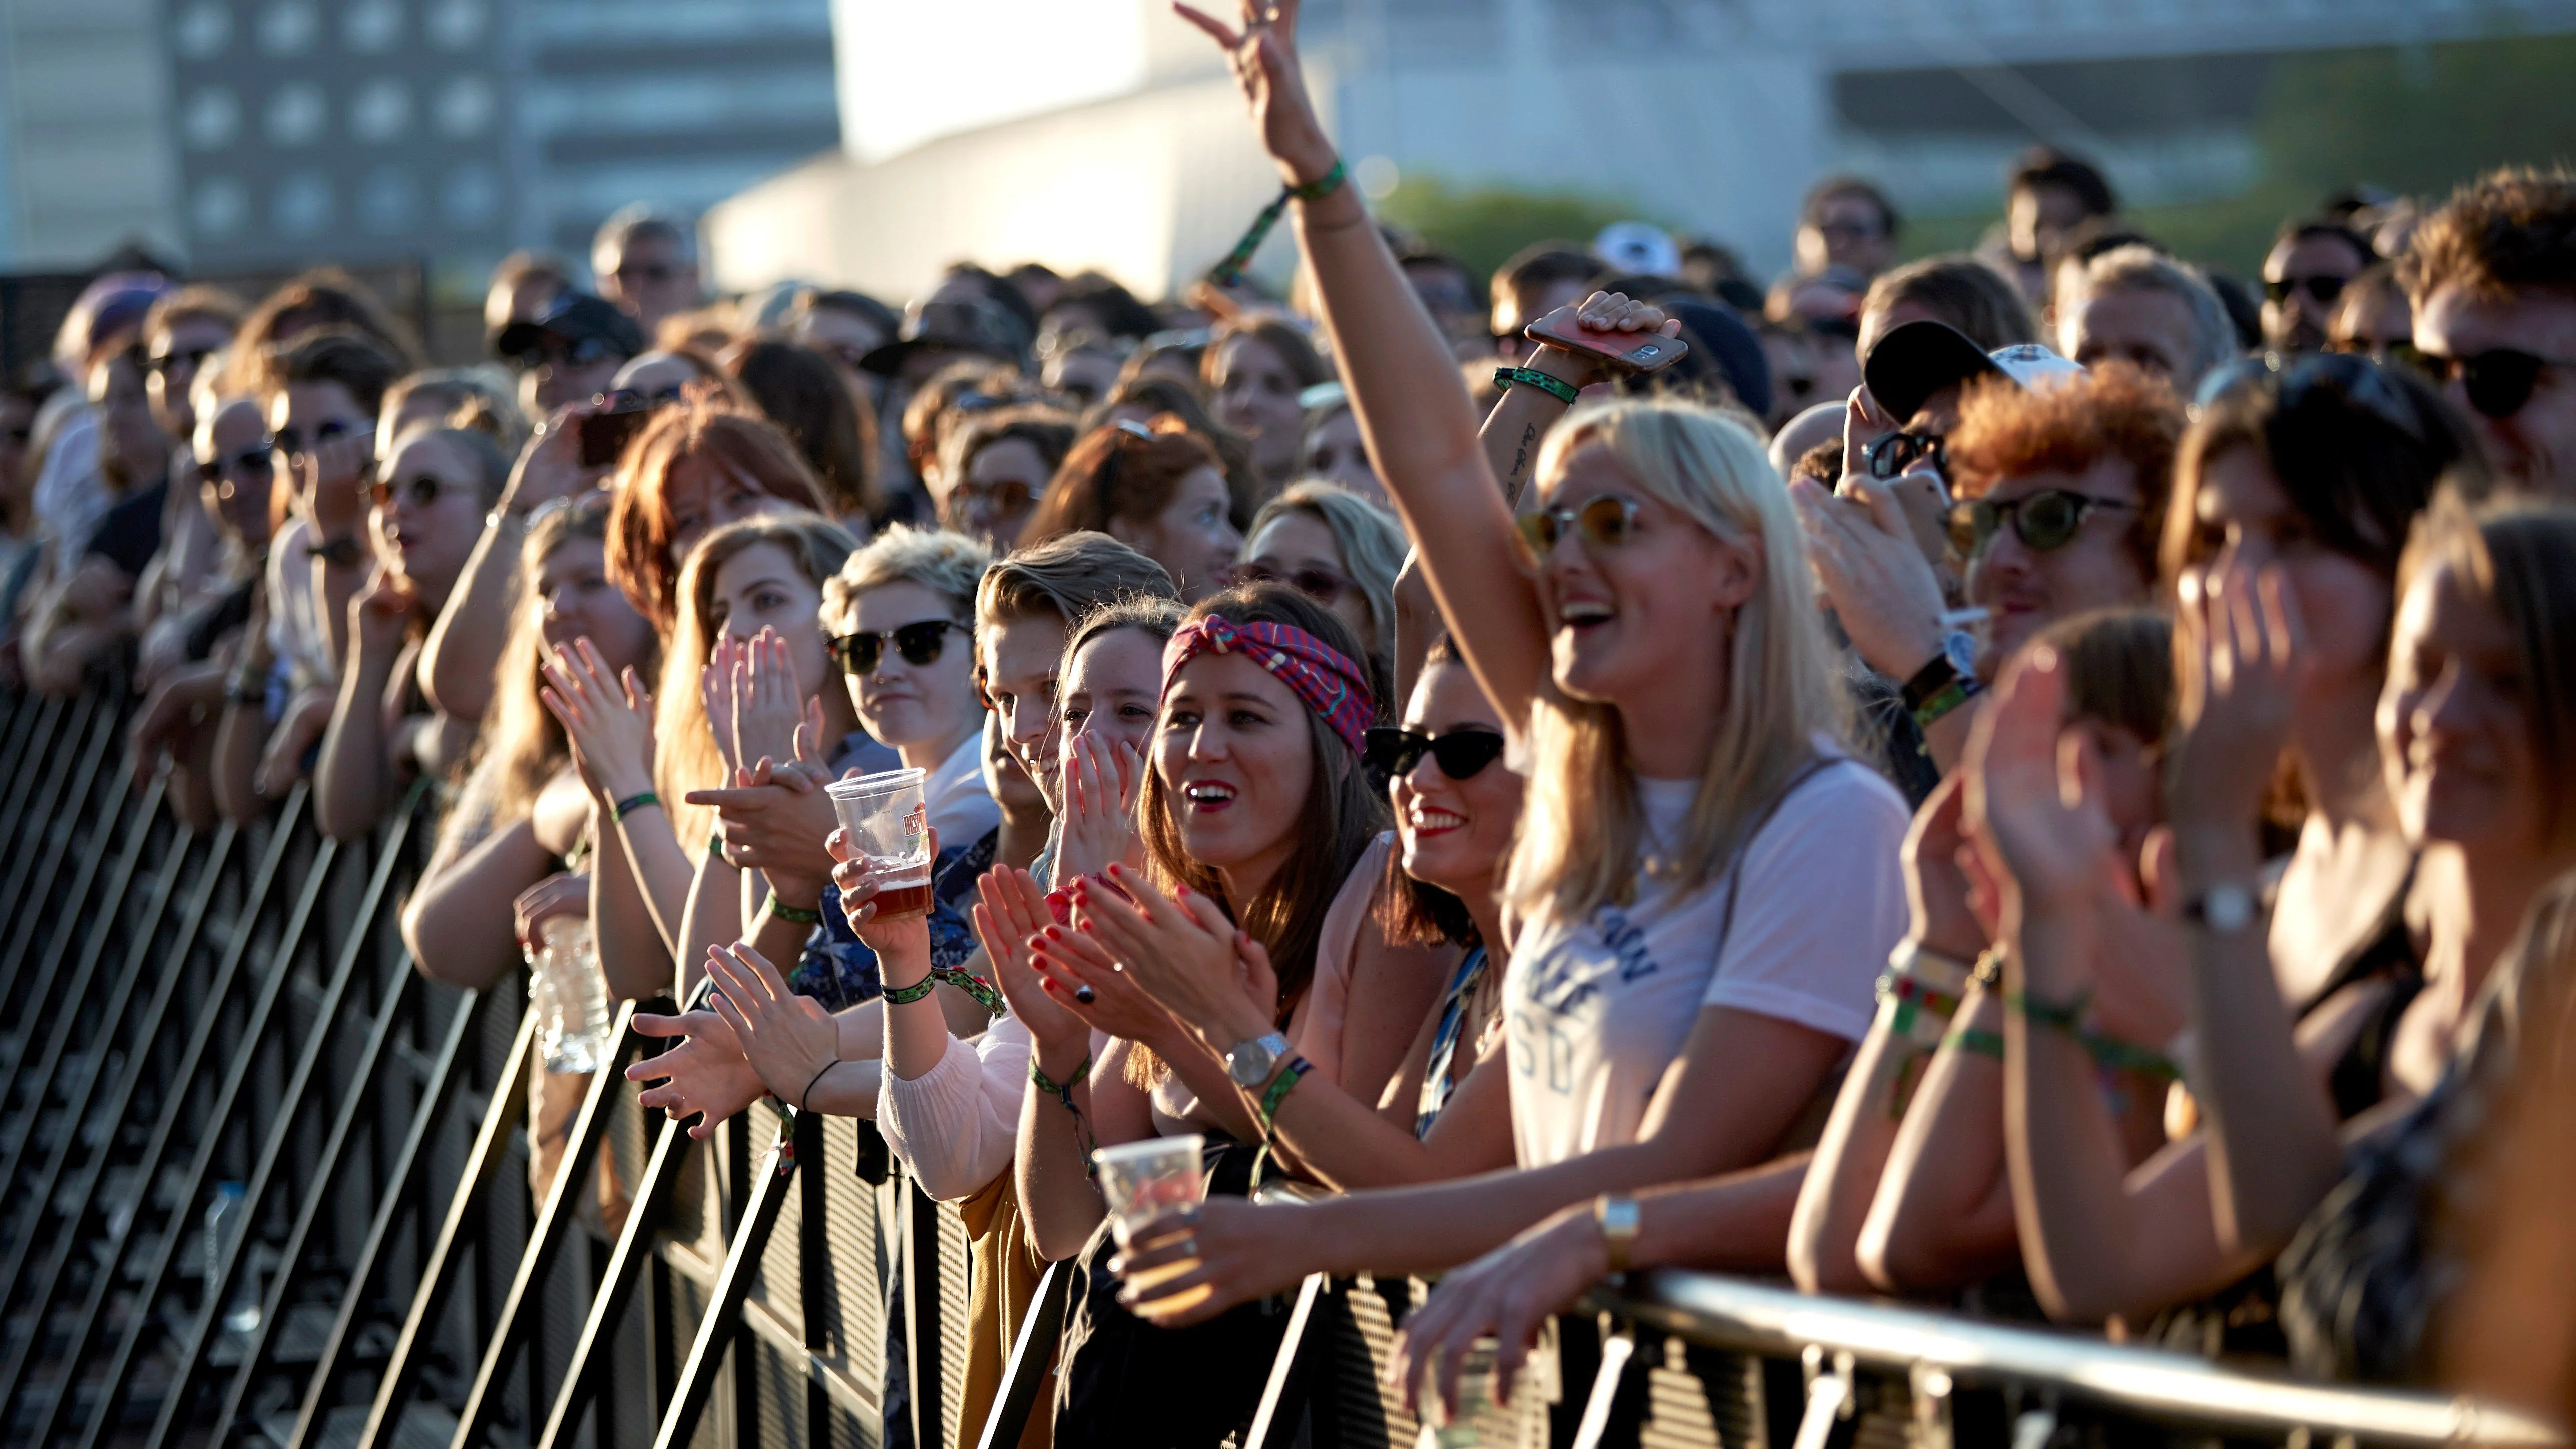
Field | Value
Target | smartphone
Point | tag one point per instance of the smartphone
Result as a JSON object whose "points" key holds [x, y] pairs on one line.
{"points": [[605, 434], [1635, 351]]}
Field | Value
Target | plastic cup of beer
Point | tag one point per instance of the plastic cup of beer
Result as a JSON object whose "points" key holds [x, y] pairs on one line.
{"points": [[1143, 1181], [1465, 1429], [889, 827]]}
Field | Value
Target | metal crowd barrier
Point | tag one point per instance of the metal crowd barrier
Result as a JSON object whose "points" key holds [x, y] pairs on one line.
{"points": [[266, 1185]]}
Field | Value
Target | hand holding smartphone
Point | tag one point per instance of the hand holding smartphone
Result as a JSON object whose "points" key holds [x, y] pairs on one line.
{"points": [[1625, 351]]}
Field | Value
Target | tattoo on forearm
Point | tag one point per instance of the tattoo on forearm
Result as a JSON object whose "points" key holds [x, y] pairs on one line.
{"points": [[1520, 460]]}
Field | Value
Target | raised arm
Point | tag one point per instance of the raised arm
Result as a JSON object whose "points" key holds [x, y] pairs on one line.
{"points": [[1413, 409], [465, 644]]}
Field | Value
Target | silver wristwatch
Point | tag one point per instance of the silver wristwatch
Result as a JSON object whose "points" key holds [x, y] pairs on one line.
{"points": [[1250, 1062], [2224, 909]]}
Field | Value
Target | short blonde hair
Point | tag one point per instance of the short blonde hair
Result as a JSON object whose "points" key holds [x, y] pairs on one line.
{"points": [[947, 564], [1582, 834]]}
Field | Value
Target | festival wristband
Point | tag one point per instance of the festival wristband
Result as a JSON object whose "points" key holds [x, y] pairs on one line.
{"points": [[633, 803], [1555, 387], [796, 915], [904, 995], [1288, 1077], [1322, 186], [1949, 697], [1976, 1039]]}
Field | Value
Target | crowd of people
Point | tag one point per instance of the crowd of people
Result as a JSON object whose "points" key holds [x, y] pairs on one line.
{"points": [[2036, 782]]}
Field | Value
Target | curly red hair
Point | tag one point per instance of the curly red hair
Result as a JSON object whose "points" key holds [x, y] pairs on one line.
{"points": [[2114, 411]]}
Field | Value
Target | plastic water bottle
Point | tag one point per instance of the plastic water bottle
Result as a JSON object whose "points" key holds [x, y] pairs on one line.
{"points": [[571, 996]]}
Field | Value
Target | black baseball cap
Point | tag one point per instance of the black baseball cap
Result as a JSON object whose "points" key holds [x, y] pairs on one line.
{"points": [[972, 324], [1914, 361], [573, 317]]}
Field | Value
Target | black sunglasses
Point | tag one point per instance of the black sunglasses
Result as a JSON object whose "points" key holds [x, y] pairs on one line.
{"points": [[2044, 521], [1603, 522], [2324, 289], [1890, 456], [255, 458], [919, 643], [1463, 754], [1320, 585], [419, 491], [293, 446], [2498, 381], [579, 352]]}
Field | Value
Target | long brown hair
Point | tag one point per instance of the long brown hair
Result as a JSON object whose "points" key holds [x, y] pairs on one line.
{"points": [[1120, 470], [1339, 819], [639, 526]]}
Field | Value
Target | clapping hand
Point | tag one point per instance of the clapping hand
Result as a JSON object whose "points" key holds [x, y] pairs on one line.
{"points": [[705, 1076], [609, 724], [1097, 828], [787, 1038], [1010, 913], [768, 701], [1183, 952], [2244, 650]]}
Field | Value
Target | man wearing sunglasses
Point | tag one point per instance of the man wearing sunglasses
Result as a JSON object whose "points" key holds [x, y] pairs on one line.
{"points": [[569, 352], [647, 265], [1875, 541], [2310, 264], [2492, 276]]}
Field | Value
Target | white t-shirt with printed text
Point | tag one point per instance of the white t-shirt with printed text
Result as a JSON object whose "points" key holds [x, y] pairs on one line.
{"points": [[1596, 1010]]}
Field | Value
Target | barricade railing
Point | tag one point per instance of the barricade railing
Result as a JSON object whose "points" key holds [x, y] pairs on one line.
{"points": [[267, 1185]]}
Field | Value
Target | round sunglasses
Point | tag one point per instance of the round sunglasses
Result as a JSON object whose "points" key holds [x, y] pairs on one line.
{"points": [[1604, 522], [1389, 752], [919, 643], [2044, 521]]}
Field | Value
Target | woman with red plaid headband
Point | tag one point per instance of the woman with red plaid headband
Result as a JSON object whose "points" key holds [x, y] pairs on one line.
{"points": [[1251, 919]]}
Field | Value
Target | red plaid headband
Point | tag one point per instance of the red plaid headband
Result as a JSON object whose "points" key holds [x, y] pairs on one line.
{"points": [[1323, 676]]}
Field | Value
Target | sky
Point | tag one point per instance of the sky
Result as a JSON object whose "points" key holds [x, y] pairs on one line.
{"points": [[1027, 56]]}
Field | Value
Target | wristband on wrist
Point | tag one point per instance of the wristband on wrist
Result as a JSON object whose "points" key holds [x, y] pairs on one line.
{"points": [[633, 803], [904, 995], [715, 847], [1975, 1039], [1280, 1086], [1950, 696], [1063, 1092], [796, 915], [1555, 387], [2067, 1016], [1322, 186]]}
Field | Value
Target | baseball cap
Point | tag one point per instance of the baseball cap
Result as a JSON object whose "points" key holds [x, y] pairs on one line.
{"points": [[1914, 361], [1638, 249], [573, 317], [973, 324]]}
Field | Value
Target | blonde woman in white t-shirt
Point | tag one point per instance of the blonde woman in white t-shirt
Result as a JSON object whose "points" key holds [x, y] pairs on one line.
{"points": [[1704, 888]]}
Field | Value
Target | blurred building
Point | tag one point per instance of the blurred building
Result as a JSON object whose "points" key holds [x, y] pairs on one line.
{"points": [[254, 134], [1105, 132]]}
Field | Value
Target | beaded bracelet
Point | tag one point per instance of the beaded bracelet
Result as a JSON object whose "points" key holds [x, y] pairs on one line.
{"points": [[1555, 387], [795, 915], [633, 803]]}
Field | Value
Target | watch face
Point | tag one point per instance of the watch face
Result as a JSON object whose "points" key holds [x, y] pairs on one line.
{"points": [[1961, 647], [1250, 1062], [2229, 908]]}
